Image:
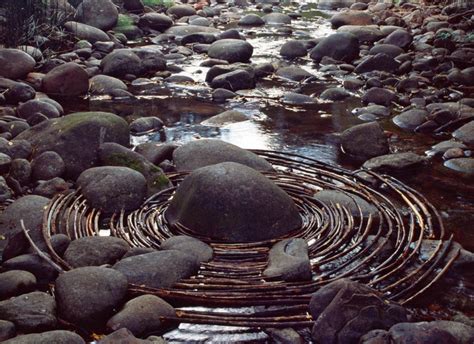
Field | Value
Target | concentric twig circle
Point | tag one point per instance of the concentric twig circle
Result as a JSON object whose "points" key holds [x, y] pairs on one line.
{"points": [[381, 249]]}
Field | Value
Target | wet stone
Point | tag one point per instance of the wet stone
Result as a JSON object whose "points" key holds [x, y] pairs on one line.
{"points": [[463, 165], [56, 337], [410, 119], [33, 263], [201, 251], [394, 162], [293, 73], [7, 330], [364, 141]]}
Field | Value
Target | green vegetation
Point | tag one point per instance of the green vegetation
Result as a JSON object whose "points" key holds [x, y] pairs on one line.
{"points": [[152, 3], [124, 21]]}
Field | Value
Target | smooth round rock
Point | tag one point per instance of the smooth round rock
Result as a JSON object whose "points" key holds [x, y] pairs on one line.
{"points": [[463, 165], [340, 46], [217, 201], [231, 50], [89, 295], [251, 20], [364, 141], [102, 14], [293, 49], [205, 152], [113, 188], [141, 315], [201, 251], [16, 282], [120, 63], [104, 84], [95, 251], [48, 165], [69, 79], [159, 269], [34, 106], [15, 63]]}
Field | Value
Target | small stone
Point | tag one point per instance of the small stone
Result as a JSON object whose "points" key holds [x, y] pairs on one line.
{"points": [[56, 337], [201, 251], [289, 260], [364, 141], [141, 315], [380, 96], [7, 330], [394, 162], [463, 165], [47, 165]]}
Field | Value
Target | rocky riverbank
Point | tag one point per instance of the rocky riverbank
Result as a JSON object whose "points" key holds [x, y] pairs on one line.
{"points": [[90, 118]]}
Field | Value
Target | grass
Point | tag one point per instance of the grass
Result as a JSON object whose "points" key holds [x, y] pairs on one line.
{"points": [[124, 21]]}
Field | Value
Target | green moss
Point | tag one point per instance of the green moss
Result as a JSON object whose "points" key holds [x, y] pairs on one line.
{"points": [[161, 181], [124, 20], [71, 121], [151, 3], [118, 159]]}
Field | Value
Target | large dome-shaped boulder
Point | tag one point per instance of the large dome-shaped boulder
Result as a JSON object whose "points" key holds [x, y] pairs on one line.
{"points": [[231, 50], [233, 203], [77, 137], [200, 153]]}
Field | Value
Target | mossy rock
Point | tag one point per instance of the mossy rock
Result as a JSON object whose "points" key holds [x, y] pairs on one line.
{"points": [[77, 137]]}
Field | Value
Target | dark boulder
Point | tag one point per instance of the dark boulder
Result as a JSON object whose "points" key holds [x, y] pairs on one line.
{"points": [[95, 251], [159, 269], [339, 46], [76, 138], [364, 141], [15, 63], [231, 50], [113, 188], [201, 251], [88, 295], [68, 79], [205, 204], [102, 14], [205, 152], [50, 337]]}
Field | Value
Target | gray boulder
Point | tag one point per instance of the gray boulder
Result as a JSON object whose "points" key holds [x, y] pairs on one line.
{"points": [[159, 269], [341, 46], [33, 263], [102, 14], [289, 260], [217, 201], [47, 165], [345, 310], [113, 188], [380, 96], [88, 295], [155, 21], [68, 79], [15, 63], [156, 153], [205, 152], [293, 73], [123, 336], [50, 337], [34, 106], [463, 165], [76, 138], [351, 18], [410, 119], [121, 62], [112, 154], [277, 19], [387, 49], [226, 117], [29, 209], [231, 50], [183, 30], [465, 134], [181, 11], [293, 49], [401, 38], [234, 81], [351, 202], [16, 282], [379, 62], [141, 315], [251, 20], [95, 251], [105, 85], [31, 312], [201, 251], [364, 141], [394, 162], [86, 32]]}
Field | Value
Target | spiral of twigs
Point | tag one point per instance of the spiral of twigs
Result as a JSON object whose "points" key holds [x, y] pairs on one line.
{"points": [[381, 249]]}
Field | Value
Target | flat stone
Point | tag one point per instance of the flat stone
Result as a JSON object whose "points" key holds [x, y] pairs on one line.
{"points": [[465, 134], [201, 251], [394, 162], [410, 119], [463, 165], [350, 201], [16, 282], [224, 118], [56, 337]]}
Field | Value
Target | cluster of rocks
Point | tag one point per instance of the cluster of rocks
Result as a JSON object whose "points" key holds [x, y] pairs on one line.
{"points": [[93, 293]]}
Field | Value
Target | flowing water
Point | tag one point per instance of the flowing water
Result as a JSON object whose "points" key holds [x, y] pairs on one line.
{"points": [[307, 130]]}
